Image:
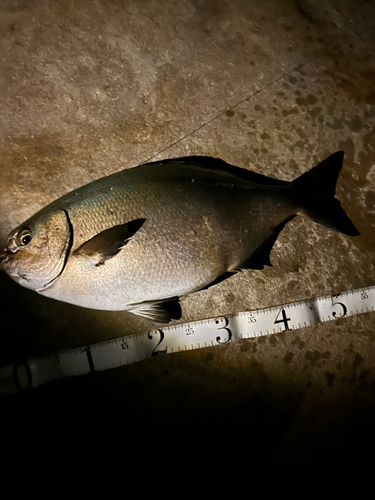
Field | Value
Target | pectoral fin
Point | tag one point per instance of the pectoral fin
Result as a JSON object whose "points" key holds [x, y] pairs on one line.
{"points": [[108, 243]]}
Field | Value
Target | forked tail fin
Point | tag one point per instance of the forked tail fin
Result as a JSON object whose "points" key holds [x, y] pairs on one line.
{"points": [[314, 191]]}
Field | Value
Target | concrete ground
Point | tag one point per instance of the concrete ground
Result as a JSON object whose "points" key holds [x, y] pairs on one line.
{"points": [[91, 87]]}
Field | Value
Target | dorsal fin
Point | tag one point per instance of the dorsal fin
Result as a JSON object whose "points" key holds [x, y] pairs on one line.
{"points": [[215, 164]]}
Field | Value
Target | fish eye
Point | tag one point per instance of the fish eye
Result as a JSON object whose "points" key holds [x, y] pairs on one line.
{"points": [[24, 237]]}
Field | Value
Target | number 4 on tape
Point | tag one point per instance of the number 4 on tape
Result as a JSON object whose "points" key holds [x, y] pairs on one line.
{"points": [[283, 320]]}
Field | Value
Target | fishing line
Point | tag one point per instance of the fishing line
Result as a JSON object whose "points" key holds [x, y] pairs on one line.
{"points": [[183, 337]]}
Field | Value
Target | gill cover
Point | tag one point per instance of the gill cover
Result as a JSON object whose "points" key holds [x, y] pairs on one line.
{"points": [[37, 264]]}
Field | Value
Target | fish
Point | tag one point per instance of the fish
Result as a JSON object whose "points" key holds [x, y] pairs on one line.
{"points": [[141, 239]]}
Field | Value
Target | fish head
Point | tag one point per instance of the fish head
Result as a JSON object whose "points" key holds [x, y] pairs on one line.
{"points": [[37, 250]]}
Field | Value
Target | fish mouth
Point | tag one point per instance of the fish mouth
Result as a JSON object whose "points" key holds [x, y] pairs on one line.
{"points": [[5, 255], [7, 265]]}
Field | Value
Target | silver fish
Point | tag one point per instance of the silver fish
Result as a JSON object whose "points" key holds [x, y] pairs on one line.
{"points": [[139, 239]]}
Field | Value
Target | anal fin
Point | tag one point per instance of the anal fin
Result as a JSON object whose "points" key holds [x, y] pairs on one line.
{"points": [[221, 278], [261, 256]]}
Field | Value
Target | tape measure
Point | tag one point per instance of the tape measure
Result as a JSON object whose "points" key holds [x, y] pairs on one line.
{"points": [[183, 337]]}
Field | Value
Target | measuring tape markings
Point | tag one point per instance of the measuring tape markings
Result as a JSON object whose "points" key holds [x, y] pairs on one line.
{"points": [[184, 337]]}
